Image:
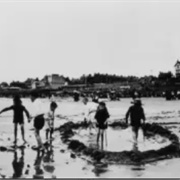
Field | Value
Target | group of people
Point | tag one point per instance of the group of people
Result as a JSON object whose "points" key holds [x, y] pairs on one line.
{"points": [[94, 110], [99, 112], [135, 113], [38, 116]]}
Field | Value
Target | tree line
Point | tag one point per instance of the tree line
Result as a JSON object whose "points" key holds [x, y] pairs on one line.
{"points": [[162, 79]]}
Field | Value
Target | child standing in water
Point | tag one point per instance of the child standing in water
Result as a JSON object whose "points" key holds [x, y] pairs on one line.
{"points": [[89, 111], [49, 120], [101, 116], [18, 109], [136, 113]]}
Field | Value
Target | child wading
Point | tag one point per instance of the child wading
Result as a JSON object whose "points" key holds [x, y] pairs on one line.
{"points": [[38, 116], [18, 109], [101, 116], [136, 113], [49, 118]]}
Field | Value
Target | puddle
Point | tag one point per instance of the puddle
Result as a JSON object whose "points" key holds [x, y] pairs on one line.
{"points": [[121, 140]]}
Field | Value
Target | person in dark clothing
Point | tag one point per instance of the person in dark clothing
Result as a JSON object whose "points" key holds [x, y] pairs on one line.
{"points": [[18, 118], [76, 96], [136, 113], [101, 116]]}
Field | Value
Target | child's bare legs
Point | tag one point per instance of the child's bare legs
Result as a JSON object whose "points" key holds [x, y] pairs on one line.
{"points": [[15, 133], [47, 134], [22, 132], [135, 133], [134, 136], [91, 126], [102, 138], [38, 138], [51, 133], [98, 135]]}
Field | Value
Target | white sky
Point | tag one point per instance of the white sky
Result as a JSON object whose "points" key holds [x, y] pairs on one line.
{"points": [[74, 38]]}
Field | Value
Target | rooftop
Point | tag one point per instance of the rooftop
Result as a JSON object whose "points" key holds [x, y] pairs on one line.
{"points": [[178, 62]]}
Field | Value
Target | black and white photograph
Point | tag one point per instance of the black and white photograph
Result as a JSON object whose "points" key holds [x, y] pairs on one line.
{"points": [[89, 89]]}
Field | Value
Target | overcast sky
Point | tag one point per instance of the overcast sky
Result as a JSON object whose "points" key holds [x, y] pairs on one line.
{"points": [[74, 38]]}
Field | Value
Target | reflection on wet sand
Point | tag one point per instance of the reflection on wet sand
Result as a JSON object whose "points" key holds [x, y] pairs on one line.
{"points": [[18, 164], [100, 168], [49, 160], [38, 166], [137, 170]]}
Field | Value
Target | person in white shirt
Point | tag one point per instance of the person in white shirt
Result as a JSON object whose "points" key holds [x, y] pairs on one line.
{"points": [[52, 98], [38, 116], [89, 112], [49, 121]]}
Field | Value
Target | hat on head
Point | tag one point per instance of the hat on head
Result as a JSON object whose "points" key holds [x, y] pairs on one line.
{"points": [[17, 98], [102, 104]]}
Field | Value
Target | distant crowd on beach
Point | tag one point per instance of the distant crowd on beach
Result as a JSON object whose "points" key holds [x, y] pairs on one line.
{"points": [[95, 115], [112, 94]]}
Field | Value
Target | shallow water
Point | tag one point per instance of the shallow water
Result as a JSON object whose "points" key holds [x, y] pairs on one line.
{"points": [[117, 140], [59, 163]]}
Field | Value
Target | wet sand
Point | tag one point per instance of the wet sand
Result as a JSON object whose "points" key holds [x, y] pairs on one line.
{"points": [[60, 163]]}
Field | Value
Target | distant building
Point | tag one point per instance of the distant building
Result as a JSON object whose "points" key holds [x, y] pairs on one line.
{"points": [[37, 84], [54, 81], [177, 68], [29, 83]]}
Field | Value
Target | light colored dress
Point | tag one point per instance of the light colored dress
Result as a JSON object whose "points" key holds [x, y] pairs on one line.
{"points": [[90, 110], [49, 120]]}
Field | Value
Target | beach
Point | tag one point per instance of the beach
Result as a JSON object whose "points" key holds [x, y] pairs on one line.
{"points": [[62, 162]]}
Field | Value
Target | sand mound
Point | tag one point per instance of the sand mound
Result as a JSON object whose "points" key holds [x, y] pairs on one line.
{"points": [[123, 157]]}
